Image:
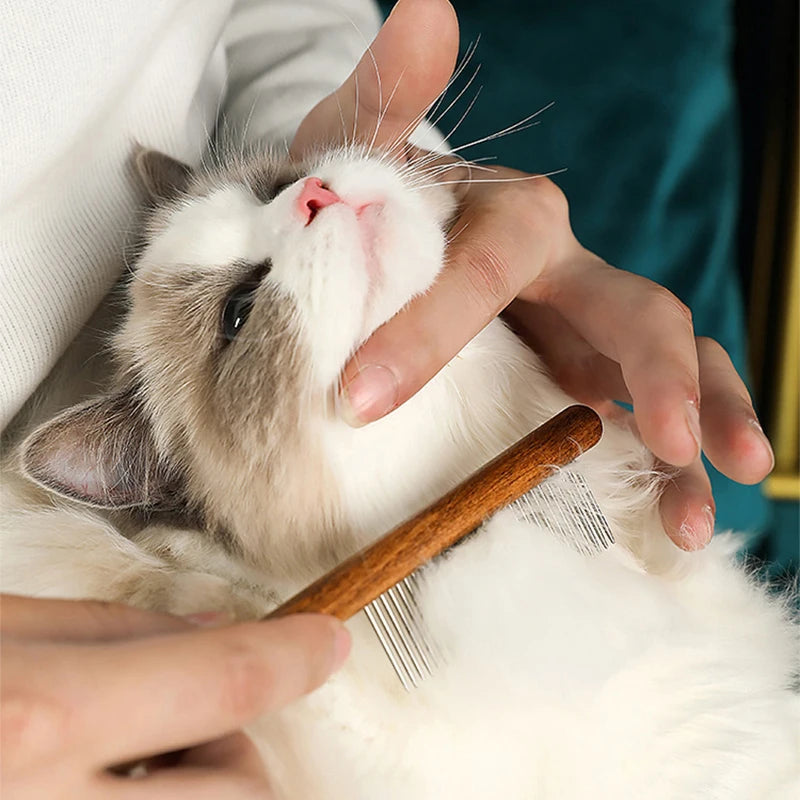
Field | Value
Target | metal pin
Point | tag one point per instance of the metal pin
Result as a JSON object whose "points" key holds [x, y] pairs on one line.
{"points": [[563, 504], [397, 636], [383, 638], [418, 629], [411, 636]]}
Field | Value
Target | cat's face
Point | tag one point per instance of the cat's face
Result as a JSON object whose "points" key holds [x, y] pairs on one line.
{"points": [[254, 286], [332, 248]]}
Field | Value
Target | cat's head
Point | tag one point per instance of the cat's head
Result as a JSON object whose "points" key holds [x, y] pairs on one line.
{"points": [[255, 284]]}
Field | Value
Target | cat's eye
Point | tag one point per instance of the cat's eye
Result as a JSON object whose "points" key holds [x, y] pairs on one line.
{"points": [[239, 303], [237, 310]]}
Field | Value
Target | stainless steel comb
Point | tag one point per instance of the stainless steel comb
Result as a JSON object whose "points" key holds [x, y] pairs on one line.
{"points": [[529, 477]]}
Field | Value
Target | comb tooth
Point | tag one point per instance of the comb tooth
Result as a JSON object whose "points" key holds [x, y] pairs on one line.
{"points": [[588, 536], [409, 588], [565, 505], [403, 636], [552, 509], [375, 620], [589, 511], [551, 501], [414, 651], [602, 526], [417, 629], [395, 634], [419, 633]]}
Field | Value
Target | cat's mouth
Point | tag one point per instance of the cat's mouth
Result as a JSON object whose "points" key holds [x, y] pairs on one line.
{"points": [[369, 220]]}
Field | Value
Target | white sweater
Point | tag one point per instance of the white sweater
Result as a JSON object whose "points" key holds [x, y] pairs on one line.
{"points": [[81, 80]]}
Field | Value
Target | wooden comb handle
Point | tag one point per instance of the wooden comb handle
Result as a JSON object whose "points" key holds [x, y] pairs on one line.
{"points": [[357, 581]]}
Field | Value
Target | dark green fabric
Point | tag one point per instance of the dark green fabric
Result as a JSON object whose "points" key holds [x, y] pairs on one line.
{"points": [[644, 123]]}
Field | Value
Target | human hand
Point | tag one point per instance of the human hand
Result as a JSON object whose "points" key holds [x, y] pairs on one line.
{"points": [[86, 686], [604, 333]]}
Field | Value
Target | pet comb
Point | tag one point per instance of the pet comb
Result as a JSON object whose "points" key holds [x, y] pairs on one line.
{"points": [[528, 476]]}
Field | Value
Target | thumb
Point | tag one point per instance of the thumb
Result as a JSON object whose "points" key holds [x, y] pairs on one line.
{"points": [[81, 620], [399, 77]]}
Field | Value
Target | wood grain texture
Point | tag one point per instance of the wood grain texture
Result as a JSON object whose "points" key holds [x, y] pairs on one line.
{"points": [[347, 588]]}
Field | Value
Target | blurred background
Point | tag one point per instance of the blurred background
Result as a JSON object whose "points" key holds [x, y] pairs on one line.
{"points": [[676, 125]]}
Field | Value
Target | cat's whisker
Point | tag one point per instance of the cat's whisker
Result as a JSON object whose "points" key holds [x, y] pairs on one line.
{"points": [[424, 178], [137, 276], [459, 164], [464, 115], [521, 125], [394, 152], [474, 162], [341, 118], [458, 97], [517, 127], [398, 144], [440, 169], [422, 169], [496, 180], [355, 109], [469, 53], [243, 136], [367, 44], [211, 136], [288, 154], [381, 111], [451, 237], [382, 114]]}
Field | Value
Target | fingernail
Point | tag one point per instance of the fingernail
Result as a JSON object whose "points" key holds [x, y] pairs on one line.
{"points": [[341, 647], [369, 395], [696, 536], [209, 619], [693, 422], [708, 530], [756, 426]]}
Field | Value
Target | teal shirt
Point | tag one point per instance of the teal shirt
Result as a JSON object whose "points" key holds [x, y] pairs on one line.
{"points": [[645, 125]]}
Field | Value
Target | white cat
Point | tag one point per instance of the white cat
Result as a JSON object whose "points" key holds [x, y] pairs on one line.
{"points": [[641, 672]]}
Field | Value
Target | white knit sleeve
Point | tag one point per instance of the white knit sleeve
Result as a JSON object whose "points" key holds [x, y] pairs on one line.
{"points": [[284, 56]]}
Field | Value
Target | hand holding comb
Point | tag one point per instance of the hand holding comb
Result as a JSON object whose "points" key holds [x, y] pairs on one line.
{"points": [[380, 576]]}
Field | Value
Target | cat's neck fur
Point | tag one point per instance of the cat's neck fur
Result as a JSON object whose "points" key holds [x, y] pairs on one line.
{"points": [[489, 396]]}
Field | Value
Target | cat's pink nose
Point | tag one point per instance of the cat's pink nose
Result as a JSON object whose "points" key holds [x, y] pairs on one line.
{"points": [[314, 196]]}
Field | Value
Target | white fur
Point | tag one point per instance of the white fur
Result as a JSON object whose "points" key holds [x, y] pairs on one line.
{"points": [[642, 672]]}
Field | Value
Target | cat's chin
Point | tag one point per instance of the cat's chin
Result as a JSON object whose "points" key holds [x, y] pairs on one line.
{"points": [[369, 217]]}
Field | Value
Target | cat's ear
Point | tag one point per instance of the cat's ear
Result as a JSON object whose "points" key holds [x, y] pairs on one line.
{"points": [[102, 453], [163, 176]]}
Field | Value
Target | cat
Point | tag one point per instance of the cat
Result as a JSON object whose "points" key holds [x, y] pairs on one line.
{"points": [[222, 476]]}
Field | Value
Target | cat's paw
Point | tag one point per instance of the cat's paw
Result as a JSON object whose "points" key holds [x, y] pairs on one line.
{"points": [[201, 576], [193, 592]]}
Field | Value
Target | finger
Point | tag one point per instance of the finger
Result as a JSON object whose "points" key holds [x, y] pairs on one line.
{"points": [[178, 690], [37, 618], [649, 332], [185, 783], [500, 246], [410, 61], [235, 752], [732, 437], [573, 363], [687, 508]]}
